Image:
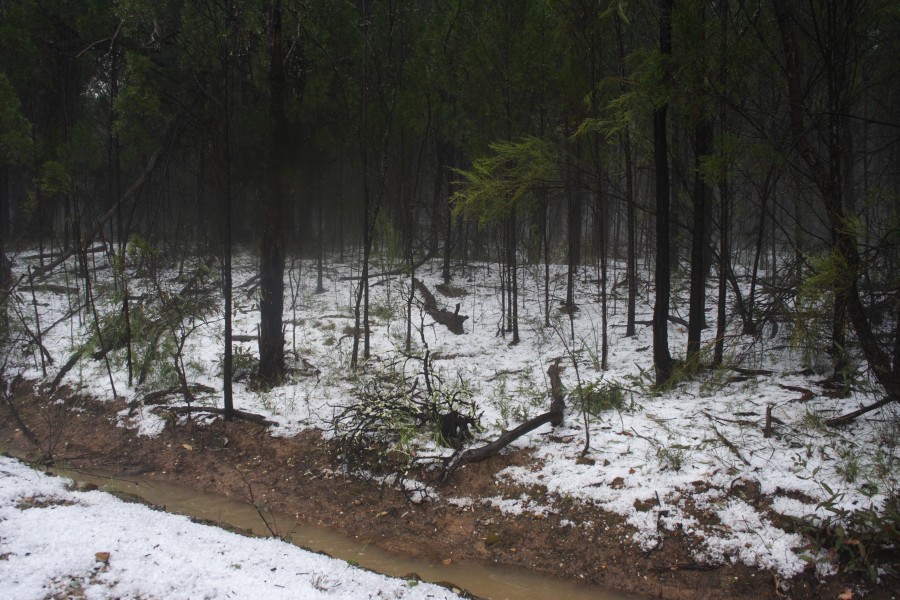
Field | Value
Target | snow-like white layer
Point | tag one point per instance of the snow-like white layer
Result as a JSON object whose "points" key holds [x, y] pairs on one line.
{"points": [[50, 538], [657, 461]]}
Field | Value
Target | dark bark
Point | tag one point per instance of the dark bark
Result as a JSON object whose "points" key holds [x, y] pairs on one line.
{"points": [[271, 256], [630, 218], [472, 455], [451, 320], [557, 393], [573, 219], [514, 278], [697, 301], [749, 322], [227, 358], [662, 360]]}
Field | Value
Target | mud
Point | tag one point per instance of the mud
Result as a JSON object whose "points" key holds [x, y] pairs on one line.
{"points": [[299, 477]]}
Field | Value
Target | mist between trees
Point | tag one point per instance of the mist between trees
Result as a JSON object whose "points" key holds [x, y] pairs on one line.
{"points": [[748, 146]]}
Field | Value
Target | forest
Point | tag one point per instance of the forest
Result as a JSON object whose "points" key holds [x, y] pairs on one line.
{"points": [[547, 265]]}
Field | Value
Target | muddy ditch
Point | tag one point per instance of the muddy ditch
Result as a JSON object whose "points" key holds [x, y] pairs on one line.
{"points": [[297, 481]]}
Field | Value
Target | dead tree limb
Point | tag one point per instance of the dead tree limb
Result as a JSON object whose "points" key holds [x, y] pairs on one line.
{"points": [[472, 455], [212, 410], [557, 395], [451, 320], [805, 394], [73, 360], [18, 419], [849, 417], [730, 446], [554, 416]]}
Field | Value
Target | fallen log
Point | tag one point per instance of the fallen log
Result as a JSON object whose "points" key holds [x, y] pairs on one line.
{"points": [[472, 455], [805, 394], [851, 416], [554, 416], [212, 410], [159, 396], [451, 320]]}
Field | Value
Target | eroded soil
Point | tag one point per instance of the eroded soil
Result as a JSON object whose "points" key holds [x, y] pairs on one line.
{"points": [[299, 476]]}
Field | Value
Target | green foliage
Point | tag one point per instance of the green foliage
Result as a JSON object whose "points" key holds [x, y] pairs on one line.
{"points": [[244, 364], [829, 275], [15, 130], [55, 178], [393, 411], [505, 179], [670, 457], [863, 540], [599, 397], [138, 106]]}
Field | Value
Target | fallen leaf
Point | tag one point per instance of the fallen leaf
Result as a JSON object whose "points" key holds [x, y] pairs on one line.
{"points": [[187, 446], [102, 557]]}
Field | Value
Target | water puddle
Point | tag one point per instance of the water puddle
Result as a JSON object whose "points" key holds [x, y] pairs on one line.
{"points": [[482, 579]]}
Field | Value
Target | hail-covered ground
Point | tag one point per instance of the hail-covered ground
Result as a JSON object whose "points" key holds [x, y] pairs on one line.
{"points": [[58, 542], [695, 458]]}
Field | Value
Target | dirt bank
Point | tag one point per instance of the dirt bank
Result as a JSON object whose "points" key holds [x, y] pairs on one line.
{"points": [[298, 476]]}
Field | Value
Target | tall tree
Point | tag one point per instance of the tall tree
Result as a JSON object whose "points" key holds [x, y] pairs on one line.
{"points": [[662, 360], [271, 255]]}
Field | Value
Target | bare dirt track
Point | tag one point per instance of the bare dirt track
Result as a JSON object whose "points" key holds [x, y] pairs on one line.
{"points": [[299, 476]]}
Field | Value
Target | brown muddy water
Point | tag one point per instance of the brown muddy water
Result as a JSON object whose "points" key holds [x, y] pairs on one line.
{"points": [[481, 579]]}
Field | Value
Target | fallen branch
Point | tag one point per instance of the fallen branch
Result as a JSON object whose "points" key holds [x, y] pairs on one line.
{"points": [[451, 320], [73, 360], [472, 455], [851, 416], [685, 566], [238, 414], [554, 416], [670, 318], [18, 419], [805, 394], [405, 270], [753, 372], [158, 396], [728, 444], [49, 288]]}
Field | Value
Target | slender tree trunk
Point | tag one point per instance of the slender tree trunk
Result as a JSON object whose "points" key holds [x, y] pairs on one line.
{"points": [[545, 242], [697, 301], [271, 285], [446, 275], [227, 358], [514, 283], [661, 358], [749, 321], [631, 226]]}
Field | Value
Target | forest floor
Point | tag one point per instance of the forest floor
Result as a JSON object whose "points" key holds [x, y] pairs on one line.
{"points": [[713, 487], [299, 476]]}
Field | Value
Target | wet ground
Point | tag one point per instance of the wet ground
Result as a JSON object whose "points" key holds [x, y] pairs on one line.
{"points": [[299, 478]]}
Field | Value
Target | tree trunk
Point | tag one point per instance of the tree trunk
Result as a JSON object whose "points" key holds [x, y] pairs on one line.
{"points": [[697, 311], [630, 255], [271, 256], [661, 358]]}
